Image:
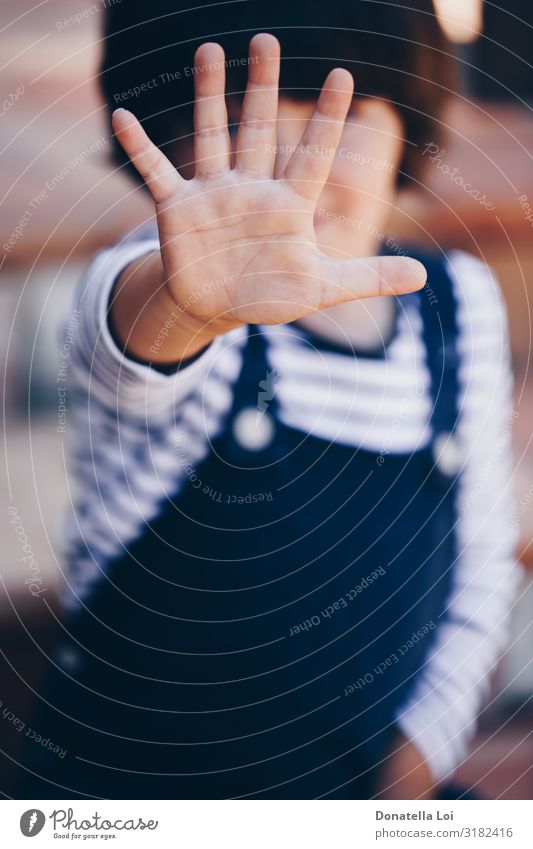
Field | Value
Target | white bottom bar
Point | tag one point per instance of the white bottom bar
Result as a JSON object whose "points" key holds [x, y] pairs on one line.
{"points": [[268, 824]]}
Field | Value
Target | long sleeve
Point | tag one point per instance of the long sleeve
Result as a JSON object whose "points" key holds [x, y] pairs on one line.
{"points": [[441, 714], [112, 378], [133, 431]]}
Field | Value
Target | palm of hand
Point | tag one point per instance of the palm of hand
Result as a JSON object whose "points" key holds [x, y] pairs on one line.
{"points": [[246, 251]]}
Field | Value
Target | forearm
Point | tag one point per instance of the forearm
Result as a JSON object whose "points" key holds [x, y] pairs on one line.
{"points": [[147, 323]]}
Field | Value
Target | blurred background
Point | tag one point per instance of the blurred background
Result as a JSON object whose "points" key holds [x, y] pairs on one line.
{"points": [[60, 202]]}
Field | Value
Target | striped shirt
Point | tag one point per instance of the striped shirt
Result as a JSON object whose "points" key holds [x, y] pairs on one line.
{"points": [[128, 419]]}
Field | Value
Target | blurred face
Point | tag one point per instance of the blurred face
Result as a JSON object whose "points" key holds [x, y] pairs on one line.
{"points": [[355, 205], [357, 199], [362, 182]]}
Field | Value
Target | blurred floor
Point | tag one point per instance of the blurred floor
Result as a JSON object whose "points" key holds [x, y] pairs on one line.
{"points": [[501, 763]]}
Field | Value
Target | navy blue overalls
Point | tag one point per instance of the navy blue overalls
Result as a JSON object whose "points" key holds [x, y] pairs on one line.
{"points": [[258, 638]]}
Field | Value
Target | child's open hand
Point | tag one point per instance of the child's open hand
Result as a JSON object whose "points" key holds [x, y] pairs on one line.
{"points": [[241, 226]]}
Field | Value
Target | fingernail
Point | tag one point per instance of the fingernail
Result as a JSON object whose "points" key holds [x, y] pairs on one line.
{"points": [[417, 270]]}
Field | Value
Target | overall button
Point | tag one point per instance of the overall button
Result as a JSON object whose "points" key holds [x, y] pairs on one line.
{"points": [[69, 659], [252, 429], [447, 454]]}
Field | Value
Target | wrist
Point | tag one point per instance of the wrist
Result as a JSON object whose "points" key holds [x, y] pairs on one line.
{"points": [[146, 320]]}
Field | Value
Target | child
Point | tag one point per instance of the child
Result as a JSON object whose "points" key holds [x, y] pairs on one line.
{"points": [[290, 559]]}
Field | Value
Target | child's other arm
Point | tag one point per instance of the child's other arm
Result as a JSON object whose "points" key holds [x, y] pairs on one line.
{"points": [[405, 773]]}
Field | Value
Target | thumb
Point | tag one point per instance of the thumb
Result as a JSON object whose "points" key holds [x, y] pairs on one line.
{"points": [[352, 279]]}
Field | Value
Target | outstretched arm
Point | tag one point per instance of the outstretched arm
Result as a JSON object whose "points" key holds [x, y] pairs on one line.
{"points": [[237, 245]]}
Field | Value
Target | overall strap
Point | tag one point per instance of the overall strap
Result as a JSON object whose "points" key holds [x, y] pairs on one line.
{"points": [[256, 384], [438, 309], [252, 418]]}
